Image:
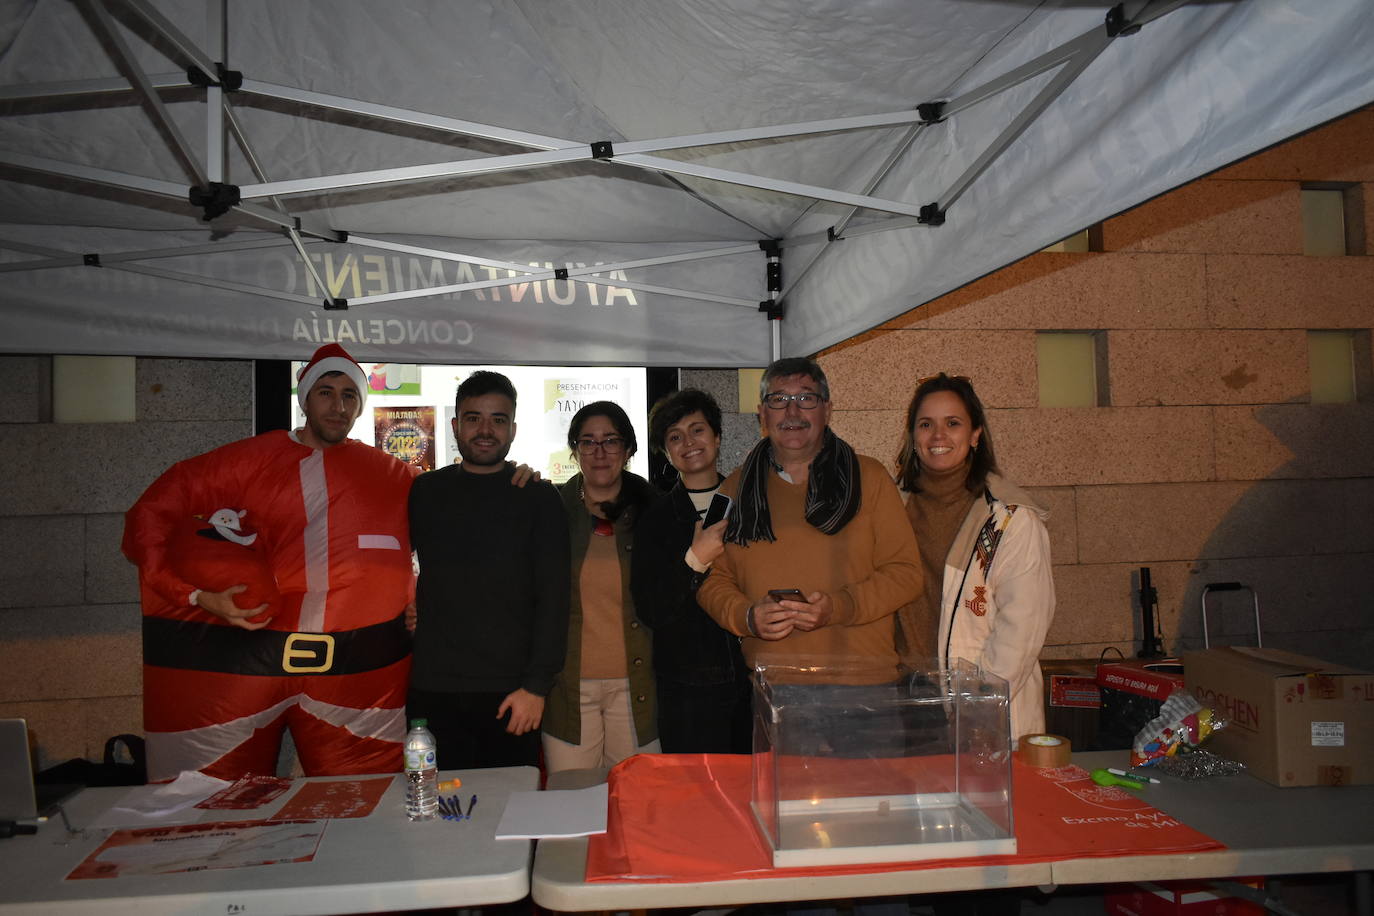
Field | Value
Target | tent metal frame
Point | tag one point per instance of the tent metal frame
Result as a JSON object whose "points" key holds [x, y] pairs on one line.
{"points": [[261, 200]]}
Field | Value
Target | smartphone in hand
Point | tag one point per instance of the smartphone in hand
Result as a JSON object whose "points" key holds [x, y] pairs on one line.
{"points": [[786, 594], [718, 509]]}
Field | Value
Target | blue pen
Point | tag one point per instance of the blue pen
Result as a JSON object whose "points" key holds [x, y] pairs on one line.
{"points": [[472, 803]]}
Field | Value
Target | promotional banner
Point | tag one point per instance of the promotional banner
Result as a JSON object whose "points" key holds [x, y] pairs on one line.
{"points": [[546, 322]]}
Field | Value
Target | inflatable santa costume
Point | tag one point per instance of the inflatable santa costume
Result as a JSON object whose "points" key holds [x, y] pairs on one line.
{"points": [[320, 535]]}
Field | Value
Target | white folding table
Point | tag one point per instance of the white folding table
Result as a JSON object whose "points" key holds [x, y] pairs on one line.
{"points": [[363, 865]]}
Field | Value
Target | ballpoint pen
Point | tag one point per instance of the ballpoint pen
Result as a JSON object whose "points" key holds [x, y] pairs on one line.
{"points": [[472, 803]]}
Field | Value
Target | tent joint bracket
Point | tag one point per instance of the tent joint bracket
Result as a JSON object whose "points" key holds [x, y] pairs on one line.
{"points": [[772, 250], [560, 273], [931, 215], [91, 260], [226, 79], [1117, 23], [772, 309], [931, 112], [335, 305], [215, 198], [603, 149]]}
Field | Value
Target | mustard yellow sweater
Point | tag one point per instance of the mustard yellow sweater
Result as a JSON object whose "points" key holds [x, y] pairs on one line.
{"points": [[869, 568]]}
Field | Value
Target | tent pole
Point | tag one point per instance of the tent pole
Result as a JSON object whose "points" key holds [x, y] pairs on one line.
{"points": [[96, 175], [774, 339], [216, 139], [68, 259], [510, 265], [1042, 100], [124, 60], [217, 284], [94, 87], [170, 33]]}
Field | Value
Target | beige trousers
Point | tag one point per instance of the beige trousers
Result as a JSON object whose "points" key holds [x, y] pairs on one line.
{"points": [[608, 729]]}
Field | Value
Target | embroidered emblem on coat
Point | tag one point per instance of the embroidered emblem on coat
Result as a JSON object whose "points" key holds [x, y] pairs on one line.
{"points": [[978, 604], [227, 526], [990, 537]]}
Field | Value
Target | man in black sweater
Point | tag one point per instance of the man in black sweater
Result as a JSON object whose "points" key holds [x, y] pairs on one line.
{"points": [[492, 598]]}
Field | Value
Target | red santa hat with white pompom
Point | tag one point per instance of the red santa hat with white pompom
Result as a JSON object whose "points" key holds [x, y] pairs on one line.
{"points": [[330, 358]]}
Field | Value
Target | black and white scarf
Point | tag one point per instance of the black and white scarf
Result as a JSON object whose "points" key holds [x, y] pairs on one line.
{"points": [[832, 491]]}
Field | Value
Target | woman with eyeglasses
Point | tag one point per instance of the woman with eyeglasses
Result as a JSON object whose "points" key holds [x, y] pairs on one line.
{"points": [[989, 595], [602, 706]]}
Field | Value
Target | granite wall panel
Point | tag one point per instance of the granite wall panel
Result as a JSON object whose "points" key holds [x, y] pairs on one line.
{"points": [[1292, 291], [876, 433], [1057, 291], [1062, 446], [1295, 441], [1150, 523], [1238, 217], [879, 371], [194, 389], [1170, 368], [1063, 523], [69, 653], [99, 467], [41, 565], [1342, 150], [110, 578], [27, 390]]}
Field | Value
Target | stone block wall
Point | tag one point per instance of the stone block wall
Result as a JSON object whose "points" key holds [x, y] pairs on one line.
{"points": [[70, 643]]}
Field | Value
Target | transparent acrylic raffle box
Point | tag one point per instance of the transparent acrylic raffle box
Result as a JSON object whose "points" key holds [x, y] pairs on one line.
{"points": [[846, 770]]}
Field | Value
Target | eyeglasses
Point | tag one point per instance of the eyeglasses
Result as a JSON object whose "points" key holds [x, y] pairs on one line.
{"points": [[611, 445], [807, 400], [931, 378]]}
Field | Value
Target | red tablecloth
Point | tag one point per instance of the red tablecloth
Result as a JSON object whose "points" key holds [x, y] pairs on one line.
{"points": [[686, 817]]}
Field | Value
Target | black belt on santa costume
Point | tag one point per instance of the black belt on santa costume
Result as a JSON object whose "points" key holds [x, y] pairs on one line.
{"points": [[199, 646]]}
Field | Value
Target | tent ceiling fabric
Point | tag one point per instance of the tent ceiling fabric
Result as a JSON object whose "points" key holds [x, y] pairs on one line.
{"points": [[460, 266]]}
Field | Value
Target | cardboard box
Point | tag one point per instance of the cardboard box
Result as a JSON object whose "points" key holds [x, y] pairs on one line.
{"points": [[1294, 720], [1177, 898]]}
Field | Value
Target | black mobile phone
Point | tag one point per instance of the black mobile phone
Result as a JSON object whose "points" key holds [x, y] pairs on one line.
{"points": [[786, 594], [719, 509]]}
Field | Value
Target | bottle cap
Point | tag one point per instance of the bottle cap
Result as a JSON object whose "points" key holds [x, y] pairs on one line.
{"points": [[419, 723]]}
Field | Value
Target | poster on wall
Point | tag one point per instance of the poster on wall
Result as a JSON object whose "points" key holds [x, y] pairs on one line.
{"points": [[564, 396], [406, 433], [392, 378]]}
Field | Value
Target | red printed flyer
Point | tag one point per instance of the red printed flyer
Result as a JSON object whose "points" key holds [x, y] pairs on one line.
{"points": [[196, 847], [342, 798]]}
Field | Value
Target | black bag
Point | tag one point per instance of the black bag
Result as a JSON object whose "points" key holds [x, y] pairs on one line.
{"points": [[110, 772]]}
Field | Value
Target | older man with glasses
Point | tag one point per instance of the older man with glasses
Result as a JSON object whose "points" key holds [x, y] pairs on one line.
{"points": [[819, 555], [818, 558]]}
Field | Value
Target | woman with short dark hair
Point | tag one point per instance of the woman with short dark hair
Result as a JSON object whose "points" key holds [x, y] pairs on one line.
{"points": [[703, 684]]}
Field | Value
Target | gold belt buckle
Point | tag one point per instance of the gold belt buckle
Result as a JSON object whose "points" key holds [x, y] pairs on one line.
{"points": [[322, 648]]}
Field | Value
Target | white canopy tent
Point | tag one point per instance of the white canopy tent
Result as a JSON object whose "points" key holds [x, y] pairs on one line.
{"points": [[606, 181]]}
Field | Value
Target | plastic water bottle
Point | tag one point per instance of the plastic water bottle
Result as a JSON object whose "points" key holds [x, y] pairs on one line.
{"points": [[422, 773]]}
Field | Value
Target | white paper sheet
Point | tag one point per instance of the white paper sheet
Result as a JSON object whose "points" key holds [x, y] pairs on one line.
{"points": [[161, 803], [560, 813]]}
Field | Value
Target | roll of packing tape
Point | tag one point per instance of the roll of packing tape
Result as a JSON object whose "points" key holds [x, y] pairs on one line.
{"points": [[1045, 750]]}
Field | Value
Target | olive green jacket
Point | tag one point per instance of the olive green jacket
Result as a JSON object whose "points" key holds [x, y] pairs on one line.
{"points": [[562, 714]]}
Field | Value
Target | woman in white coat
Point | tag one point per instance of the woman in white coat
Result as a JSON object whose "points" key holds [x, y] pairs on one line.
{"points": [[989, 595]]}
